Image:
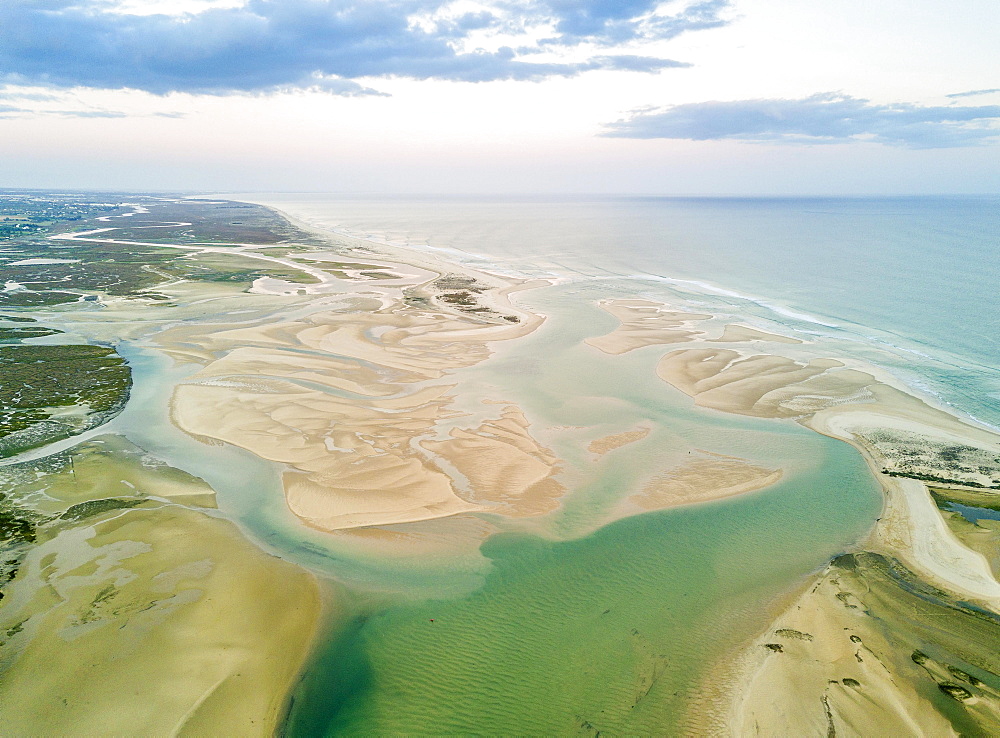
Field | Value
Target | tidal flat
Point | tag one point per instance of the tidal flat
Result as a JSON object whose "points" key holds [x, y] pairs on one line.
{"points": [[364, 487]]}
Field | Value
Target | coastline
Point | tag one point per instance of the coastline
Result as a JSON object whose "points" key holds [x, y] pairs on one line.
{"points": [[345, 364], [910, 539]]}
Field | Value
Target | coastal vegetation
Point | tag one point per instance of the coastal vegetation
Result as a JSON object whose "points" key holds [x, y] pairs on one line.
{"points": [[42, 382], [40, 271]]}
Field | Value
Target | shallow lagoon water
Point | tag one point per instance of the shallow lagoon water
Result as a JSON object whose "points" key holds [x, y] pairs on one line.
{"points": [[633, 615], [617, 629]]}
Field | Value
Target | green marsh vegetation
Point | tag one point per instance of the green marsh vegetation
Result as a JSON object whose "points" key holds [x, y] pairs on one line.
{"points": [[37, 380], [133, 269], [26, 212]]}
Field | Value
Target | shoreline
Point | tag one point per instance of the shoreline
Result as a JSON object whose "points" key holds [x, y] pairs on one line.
{"points": [[708, 288]]}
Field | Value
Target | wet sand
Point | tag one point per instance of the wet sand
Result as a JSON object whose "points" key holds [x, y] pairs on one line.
{"points": [[869, 649], [601, 446], [703, 479]]}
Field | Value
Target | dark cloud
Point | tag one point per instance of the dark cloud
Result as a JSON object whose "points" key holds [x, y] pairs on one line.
{"points": [[265, 45], [824, 118]]}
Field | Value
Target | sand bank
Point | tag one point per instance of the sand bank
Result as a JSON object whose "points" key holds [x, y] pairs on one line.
{"points": [[601, 446], [507, 470], [644, 323], [869, 649], [763, 385], [702, 479], [735, 333]]}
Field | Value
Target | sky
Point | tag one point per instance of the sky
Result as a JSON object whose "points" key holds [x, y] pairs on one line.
{"points": [[683, 97]]}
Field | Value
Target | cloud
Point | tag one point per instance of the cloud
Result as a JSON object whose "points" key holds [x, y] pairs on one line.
{"points": [[90, 113], [25, 109], [13, 94], [620, 21], [972, 93], [264, 45], [823, 118]]}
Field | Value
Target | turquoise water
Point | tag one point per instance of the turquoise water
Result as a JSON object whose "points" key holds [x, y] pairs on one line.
{"points": [[615, 630]]}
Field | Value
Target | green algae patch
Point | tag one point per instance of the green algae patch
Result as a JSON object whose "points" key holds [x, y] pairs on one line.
{"points": [[88, 509], [18, 333], [957, 640], [18, 530], [52, 392], [162, 620], [38, 498]]}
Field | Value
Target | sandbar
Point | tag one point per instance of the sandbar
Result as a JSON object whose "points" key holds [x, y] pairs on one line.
{"points": [[704, 478], [348, 397], [601, 446], [735, 333], [645, 323]]}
